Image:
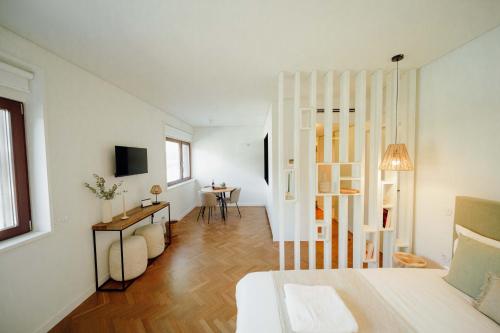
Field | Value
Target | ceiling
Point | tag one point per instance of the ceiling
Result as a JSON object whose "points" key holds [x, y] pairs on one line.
{"points": [[216, 62]]}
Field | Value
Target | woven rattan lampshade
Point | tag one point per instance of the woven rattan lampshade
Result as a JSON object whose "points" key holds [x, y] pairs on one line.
{"points": [[155, 189], [396, 158]]}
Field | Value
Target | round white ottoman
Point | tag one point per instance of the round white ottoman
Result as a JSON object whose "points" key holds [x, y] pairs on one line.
{"points": [[153, 234], [135, 258]]}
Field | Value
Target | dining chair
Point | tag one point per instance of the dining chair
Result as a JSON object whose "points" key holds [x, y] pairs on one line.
{"points": [[208, 200], [234, 197]]}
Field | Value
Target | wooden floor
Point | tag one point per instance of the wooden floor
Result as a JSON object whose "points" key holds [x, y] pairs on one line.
{"points": [[190, 288]]}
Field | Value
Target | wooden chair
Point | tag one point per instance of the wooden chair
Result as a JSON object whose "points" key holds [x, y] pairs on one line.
{"points": [[208, 200], [234, 197]]}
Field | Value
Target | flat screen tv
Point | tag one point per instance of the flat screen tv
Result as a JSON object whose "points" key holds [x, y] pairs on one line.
{"points": [[130, 161], [266, 159]]}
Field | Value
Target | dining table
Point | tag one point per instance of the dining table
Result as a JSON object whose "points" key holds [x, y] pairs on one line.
{"points": [[220, 192]]}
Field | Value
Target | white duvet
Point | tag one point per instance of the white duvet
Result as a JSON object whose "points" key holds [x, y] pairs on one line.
{"points": [[420, 296]]}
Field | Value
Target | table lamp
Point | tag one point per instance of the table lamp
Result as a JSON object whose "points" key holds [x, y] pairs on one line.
{"points": [[156, 189]]}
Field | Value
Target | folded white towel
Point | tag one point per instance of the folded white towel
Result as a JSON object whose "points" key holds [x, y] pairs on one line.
{"points": [[317, 309]]}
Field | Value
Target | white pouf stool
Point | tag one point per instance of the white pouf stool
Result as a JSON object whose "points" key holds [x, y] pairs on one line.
{"points": [[153, 234], [135, 258]]}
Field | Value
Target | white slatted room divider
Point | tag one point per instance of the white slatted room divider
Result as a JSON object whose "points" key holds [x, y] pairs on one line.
{"points": [[351, 107]]}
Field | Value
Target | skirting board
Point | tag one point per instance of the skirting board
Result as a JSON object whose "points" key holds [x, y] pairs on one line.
{"points": [[61, 314]]}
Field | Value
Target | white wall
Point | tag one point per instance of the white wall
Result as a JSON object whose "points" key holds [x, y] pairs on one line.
{"points": [[458, 139], [42, 281], [234, 155]]}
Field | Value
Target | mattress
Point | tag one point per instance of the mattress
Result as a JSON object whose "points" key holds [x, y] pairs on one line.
{"points": [[420, 296]]}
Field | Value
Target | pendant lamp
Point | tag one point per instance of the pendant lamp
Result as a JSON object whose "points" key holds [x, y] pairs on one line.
{"points": [[396, 156]]}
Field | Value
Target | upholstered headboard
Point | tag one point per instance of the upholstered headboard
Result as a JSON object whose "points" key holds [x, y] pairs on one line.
{"points": [[479, 215]]}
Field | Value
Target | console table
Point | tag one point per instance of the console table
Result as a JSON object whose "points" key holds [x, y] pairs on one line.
{"points": [[118, 225]]}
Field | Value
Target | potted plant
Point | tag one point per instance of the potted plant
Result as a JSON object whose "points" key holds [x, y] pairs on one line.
{"points": [[106, 194]]}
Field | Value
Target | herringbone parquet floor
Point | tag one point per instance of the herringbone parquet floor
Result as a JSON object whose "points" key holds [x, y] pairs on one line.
{"points": [[190, 288]]}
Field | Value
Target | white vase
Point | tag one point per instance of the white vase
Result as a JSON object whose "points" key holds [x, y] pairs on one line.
{"points": [[107, 211]]}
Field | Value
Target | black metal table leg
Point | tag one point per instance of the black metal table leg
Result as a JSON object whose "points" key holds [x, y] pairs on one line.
{"points": [[95, 262], [121, 253], [169, 229]]}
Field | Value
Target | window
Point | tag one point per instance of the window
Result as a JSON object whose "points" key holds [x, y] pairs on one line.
{"points": [[178, 161], [15, 216]]}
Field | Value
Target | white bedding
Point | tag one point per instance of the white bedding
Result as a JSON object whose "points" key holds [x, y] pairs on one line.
{"points": [[420, 296]]}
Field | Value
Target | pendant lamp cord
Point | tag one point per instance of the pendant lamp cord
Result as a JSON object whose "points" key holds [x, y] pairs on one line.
{"points": [[397, 96]]}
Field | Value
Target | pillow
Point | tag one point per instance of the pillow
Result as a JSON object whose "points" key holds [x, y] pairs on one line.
{"points": [[471, 234], [488, 301], [469, 266]]}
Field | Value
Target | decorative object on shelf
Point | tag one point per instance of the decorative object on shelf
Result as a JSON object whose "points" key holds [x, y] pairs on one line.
{"points": [[213, 184], [385, 217], [146, 203], [223, 185], [396, 156], [156, 189], [408, 260], [290, 162], [124, 216], [106, 194], [348, 191], [370, 249]]}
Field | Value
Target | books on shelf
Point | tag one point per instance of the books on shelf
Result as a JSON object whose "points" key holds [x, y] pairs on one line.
{"points": [[370, 248], [386, 221]]}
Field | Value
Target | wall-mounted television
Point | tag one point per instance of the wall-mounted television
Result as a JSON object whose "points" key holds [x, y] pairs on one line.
{"points": [[130, 161], [266, 159]]}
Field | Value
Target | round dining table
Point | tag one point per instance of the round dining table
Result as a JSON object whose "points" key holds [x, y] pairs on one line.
{"points": [[220, 192]]}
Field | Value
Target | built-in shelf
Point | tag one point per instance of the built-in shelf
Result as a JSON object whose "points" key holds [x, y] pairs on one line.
{"points": [[337, 163], [388, 206], [365, 260], [388, 182], [318, 194], [350, 178], [387, 229]]}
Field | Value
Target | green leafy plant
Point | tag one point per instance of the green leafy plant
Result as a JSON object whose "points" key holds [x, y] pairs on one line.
{"points": [[100, 188]]}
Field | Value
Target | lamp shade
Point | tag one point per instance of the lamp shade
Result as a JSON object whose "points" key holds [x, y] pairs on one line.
{"points": [[396, 158], [155, 189]]}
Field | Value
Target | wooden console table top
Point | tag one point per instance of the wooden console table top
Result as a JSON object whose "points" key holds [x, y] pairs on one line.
{"points": [[134, 215]]}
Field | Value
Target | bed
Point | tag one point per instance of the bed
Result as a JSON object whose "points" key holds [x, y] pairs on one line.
{"points": [[381, 300]]}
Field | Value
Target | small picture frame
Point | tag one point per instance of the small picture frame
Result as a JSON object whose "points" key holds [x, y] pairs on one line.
{"points": [[146, 203]]}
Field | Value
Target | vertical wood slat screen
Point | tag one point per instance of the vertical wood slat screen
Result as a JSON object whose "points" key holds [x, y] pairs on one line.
{"points": [[375, 211], [359, 154], [301, 112], [390, 177], [296, 166], [343, 200], [312, 176], [281, 165], [410, 176], [327, 158]]}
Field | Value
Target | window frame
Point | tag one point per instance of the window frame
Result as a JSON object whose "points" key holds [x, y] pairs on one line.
{"points": [[20, 163], [182, 179]]}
